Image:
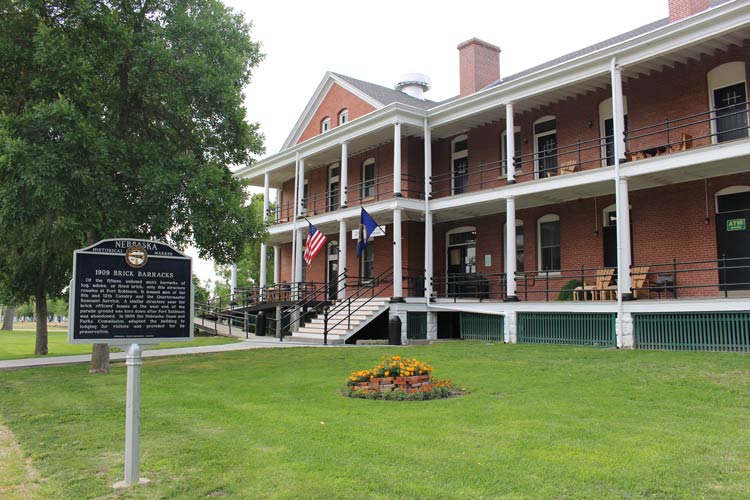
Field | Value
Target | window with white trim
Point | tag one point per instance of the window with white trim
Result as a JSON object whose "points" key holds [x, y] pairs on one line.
{"points": [[460, 164], [504, 150], [368, 262], [545, 146], [368, 178], [343, 116], [325, 124], [727, 95], [520, 256], [548, 243], [607, 129]]}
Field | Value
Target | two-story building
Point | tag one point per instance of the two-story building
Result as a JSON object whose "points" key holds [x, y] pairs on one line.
{"points": [[600, 198]]}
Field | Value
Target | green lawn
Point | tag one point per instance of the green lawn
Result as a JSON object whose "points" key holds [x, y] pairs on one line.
{"points": [[18, 345], [540, 422]]}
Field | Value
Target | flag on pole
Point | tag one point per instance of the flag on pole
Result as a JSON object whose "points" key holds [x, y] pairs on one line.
{"points": [[315, 241], [366, 227]]}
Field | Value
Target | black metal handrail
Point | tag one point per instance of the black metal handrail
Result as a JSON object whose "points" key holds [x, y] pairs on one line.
{"points": [[382, 186], [379, 285], [479, 286], [671, 276], [554, 281]]}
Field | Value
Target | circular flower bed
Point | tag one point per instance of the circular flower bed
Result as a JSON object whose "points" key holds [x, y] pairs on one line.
{"points": [[397, 378]]}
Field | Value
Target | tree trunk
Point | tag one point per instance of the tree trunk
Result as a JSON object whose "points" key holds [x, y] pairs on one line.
{"points": [[41, 322], [99, 352], [100, 358], [10, 312]]}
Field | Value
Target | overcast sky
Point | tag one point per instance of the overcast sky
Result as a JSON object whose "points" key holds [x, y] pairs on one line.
{"points": [[380, 41]]}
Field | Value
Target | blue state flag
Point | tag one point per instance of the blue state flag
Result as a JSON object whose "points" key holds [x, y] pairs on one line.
{"points": [[366, 227]]}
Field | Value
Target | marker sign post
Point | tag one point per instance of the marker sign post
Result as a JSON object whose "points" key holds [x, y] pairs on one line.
{"points": [[130, 292]]}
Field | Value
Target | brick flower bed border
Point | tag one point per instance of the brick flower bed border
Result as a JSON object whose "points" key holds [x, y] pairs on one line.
{"points": [[408, 384]]}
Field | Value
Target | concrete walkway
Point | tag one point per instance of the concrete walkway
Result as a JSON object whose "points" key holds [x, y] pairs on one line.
{"points": [[252, 343]]}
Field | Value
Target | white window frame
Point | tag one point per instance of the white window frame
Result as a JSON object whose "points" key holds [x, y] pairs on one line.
{"points": [[373, 188], [343, 116], [504, 154], [305, 199], [605, 113], [325, 124], [724, 75], [330, 181], [519, 223], [543, 119], [726, 191], [539, 222], [367, 279], [457, 156], [462, 229]]}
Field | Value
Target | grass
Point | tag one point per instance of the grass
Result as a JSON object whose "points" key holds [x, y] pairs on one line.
{"points": [[19, 345], [540, 422]]}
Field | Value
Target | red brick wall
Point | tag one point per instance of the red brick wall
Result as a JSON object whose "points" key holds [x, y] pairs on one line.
{"points": [[670, 94], [679, 9], [479, 65], [337, 99]]}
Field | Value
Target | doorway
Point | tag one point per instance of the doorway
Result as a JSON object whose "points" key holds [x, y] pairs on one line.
{"points": [[609, 233], [461, 259], [733, 238]]}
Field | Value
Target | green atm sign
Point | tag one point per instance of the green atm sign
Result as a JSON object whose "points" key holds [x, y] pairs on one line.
{"points": [[736, 224]]}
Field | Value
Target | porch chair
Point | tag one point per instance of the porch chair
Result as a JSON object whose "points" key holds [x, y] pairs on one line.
{"points": [[568, 167], [601, 287], [639, 284], [686, 142]]}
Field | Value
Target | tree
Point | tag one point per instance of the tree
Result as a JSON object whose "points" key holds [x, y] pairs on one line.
{"points": [[248, 263], [8, 314], [119, 118]]}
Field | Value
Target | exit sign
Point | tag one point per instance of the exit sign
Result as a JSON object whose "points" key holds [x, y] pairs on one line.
{"points": [[736, 224]]}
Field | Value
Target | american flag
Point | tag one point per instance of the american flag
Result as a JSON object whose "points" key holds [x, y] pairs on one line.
{"points": [[315, 241]]}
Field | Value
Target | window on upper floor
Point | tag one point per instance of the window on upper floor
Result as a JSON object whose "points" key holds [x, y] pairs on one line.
{"points": [[727, 94], [516, 147], [545, 146], [325, 124], [343, 116], [368, 178], [460, 164], [548, 237]]}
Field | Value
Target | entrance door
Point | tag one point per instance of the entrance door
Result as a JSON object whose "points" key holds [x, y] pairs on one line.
{"points": [[333, 186], [733, 240], [609, 233], [462, 261], [730, 104], [332, 272]]}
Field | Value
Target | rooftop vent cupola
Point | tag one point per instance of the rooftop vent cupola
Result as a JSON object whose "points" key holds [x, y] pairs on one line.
{"points": [[479, 65], [414, 84], [679, 9]]}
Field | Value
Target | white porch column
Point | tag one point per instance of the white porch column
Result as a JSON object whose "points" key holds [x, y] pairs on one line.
{"points": [[342, 258], [624, 257], [344, 172], [263, 245], [618, 111], [510, 144], [276, 263], [397, 274], [428, 262], [233, 283], [510, 249], [298, 258], [396, 159]]}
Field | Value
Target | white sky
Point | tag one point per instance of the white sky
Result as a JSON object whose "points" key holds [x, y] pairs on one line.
{"points": [[379, 41]]}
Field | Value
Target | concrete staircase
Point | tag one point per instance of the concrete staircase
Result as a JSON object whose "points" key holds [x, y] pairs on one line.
{"points": [[363, 310]]}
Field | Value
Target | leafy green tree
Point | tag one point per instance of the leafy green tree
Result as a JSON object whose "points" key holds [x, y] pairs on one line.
{"points": [[119, 118], [200, 292], [248, 263]]}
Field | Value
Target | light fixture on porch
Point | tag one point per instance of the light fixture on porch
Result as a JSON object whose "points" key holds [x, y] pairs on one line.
{"points": [[596, 220], [707, 220]]}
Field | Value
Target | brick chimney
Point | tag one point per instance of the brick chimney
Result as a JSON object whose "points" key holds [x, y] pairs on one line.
{"points": [[479, 65], [679, 9]]}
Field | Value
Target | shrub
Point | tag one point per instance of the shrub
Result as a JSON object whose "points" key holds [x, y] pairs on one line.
{"points": [[566, 292]]}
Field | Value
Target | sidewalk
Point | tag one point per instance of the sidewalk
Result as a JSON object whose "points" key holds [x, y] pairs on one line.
{"points": [[252, 343]]}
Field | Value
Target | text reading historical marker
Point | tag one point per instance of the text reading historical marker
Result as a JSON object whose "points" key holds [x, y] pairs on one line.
{"points": [[130, 291]]}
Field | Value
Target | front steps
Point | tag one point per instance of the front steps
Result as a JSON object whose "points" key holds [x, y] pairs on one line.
{"points": [[363, 310]]}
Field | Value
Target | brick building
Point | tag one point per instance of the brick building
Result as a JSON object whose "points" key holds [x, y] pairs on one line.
{"points": [[620, 212]]}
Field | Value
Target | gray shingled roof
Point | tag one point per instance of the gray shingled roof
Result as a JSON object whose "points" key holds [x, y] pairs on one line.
{"points": [[386, 95]]}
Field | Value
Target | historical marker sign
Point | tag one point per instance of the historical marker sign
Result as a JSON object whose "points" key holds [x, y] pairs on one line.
{"points": [[128, 291]]}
